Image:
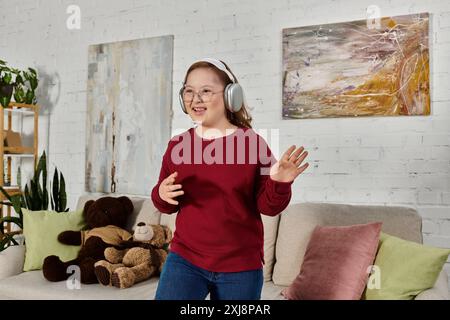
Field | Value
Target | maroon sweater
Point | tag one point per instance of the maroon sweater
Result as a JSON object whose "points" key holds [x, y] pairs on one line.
{"points": [[226, 187]]}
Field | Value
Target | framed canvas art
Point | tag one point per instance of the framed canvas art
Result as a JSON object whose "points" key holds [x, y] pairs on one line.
{"points": [[129, 95], [353, 69]]}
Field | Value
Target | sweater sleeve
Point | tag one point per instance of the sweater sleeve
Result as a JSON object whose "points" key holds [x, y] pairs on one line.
{"points": [[272, 196], [159, 203]]}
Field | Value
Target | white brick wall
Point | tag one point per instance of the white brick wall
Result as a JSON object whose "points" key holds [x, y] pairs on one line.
{"points": [[399, 160]]}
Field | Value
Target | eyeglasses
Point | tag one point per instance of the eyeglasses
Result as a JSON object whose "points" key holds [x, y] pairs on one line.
{"points": [[204, 94]]}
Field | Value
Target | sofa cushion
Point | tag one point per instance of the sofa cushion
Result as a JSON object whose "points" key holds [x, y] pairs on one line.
{"points": [[143, 209], [270, 291], [440, 290], [270, 238], [406, 268], [298, 221], [336, 263], [33, 285], [11, 261], [169, 220]]}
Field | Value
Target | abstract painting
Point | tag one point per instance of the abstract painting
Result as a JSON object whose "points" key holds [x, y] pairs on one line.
{"points": [[353, 69], [129, 95]]}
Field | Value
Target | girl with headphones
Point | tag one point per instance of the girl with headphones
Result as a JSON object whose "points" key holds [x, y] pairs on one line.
{"points": [[217, 247]]}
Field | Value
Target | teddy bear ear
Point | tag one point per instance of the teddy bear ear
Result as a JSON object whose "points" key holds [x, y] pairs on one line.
{"points": [[87, 205], [127, 204]]}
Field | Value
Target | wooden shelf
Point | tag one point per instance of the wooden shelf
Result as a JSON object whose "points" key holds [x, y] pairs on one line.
{"points": [[14, 232], [11, 191], [20, 111], [11, 187], [18, 150], [19, 155], [14, 109], [22, 105]]}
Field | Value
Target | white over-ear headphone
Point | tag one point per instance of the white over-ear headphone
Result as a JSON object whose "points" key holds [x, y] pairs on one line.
{"points": [[233, 94]]}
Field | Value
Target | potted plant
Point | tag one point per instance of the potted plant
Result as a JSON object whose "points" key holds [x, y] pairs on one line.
{"points": [[21, 84], [35, 197], [19, 92], [25, 89], [25, 86], [6, 83]]}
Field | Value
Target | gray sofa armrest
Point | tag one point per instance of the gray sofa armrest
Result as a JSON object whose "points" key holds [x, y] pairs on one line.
{"points": [[439, 291], [11, 261]]}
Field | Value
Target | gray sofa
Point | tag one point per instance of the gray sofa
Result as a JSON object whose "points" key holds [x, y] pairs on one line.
{"points": [[285, 240]]}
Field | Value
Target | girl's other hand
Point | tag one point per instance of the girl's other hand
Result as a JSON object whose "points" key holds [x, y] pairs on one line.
{"points": [[168, 190], [289, 167]]}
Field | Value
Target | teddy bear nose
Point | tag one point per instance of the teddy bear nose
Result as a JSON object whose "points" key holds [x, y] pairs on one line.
{"points": [[141, 224]]}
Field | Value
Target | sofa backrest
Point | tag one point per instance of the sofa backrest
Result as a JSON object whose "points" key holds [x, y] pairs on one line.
{"points": [[298, 221], [287, 234]]}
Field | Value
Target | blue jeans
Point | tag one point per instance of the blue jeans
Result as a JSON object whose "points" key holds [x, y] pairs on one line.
{"points": [[181, 280]]}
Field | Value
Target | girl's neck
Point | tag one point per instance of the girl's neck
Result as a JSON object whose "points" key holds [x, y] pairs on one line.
{"points": [[217, 131]]}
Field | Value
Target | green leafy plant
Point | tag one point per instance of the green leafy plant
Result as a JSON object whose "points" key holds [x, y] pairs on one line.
{"points": [[21, 84], [36, 194], [6, 83], [16, 201], [35, 197], [59, 198], [25, 85], [32, 80], [19, 90], [6, 240]]}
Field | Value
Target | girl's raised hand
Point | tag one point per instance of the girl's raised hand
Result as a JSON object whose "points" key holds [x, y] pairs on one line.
{"points": [[168, 190], [288, 168]]}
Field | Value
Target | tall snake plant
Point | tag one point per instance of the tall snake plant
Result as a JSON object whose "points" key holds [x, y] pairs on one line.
{"points": [[35, 197]]}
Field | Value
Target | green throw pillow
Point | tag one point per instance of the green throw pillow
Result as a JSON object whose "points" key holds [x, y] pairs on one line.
{"points": [[41, 229], [406, 268]]}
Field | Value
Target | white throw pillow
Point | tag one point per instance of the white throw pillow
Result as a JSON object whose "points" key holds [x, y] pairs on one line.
{"points": [[11, 261]]}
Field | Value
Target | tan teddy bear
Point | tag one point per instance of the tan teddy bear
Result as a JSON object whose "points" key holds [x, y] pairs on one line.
{"points": [[140, 259]]}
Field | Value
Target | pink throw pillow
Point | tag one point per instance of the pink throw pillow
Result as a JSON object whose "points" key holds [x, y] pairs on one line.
{"points": [[336, 262]]}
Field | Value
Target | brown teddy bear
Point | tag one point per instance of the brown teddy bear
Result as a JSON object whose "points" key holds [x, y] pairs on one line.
{"points": [[105, 219], [140, 259]]}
